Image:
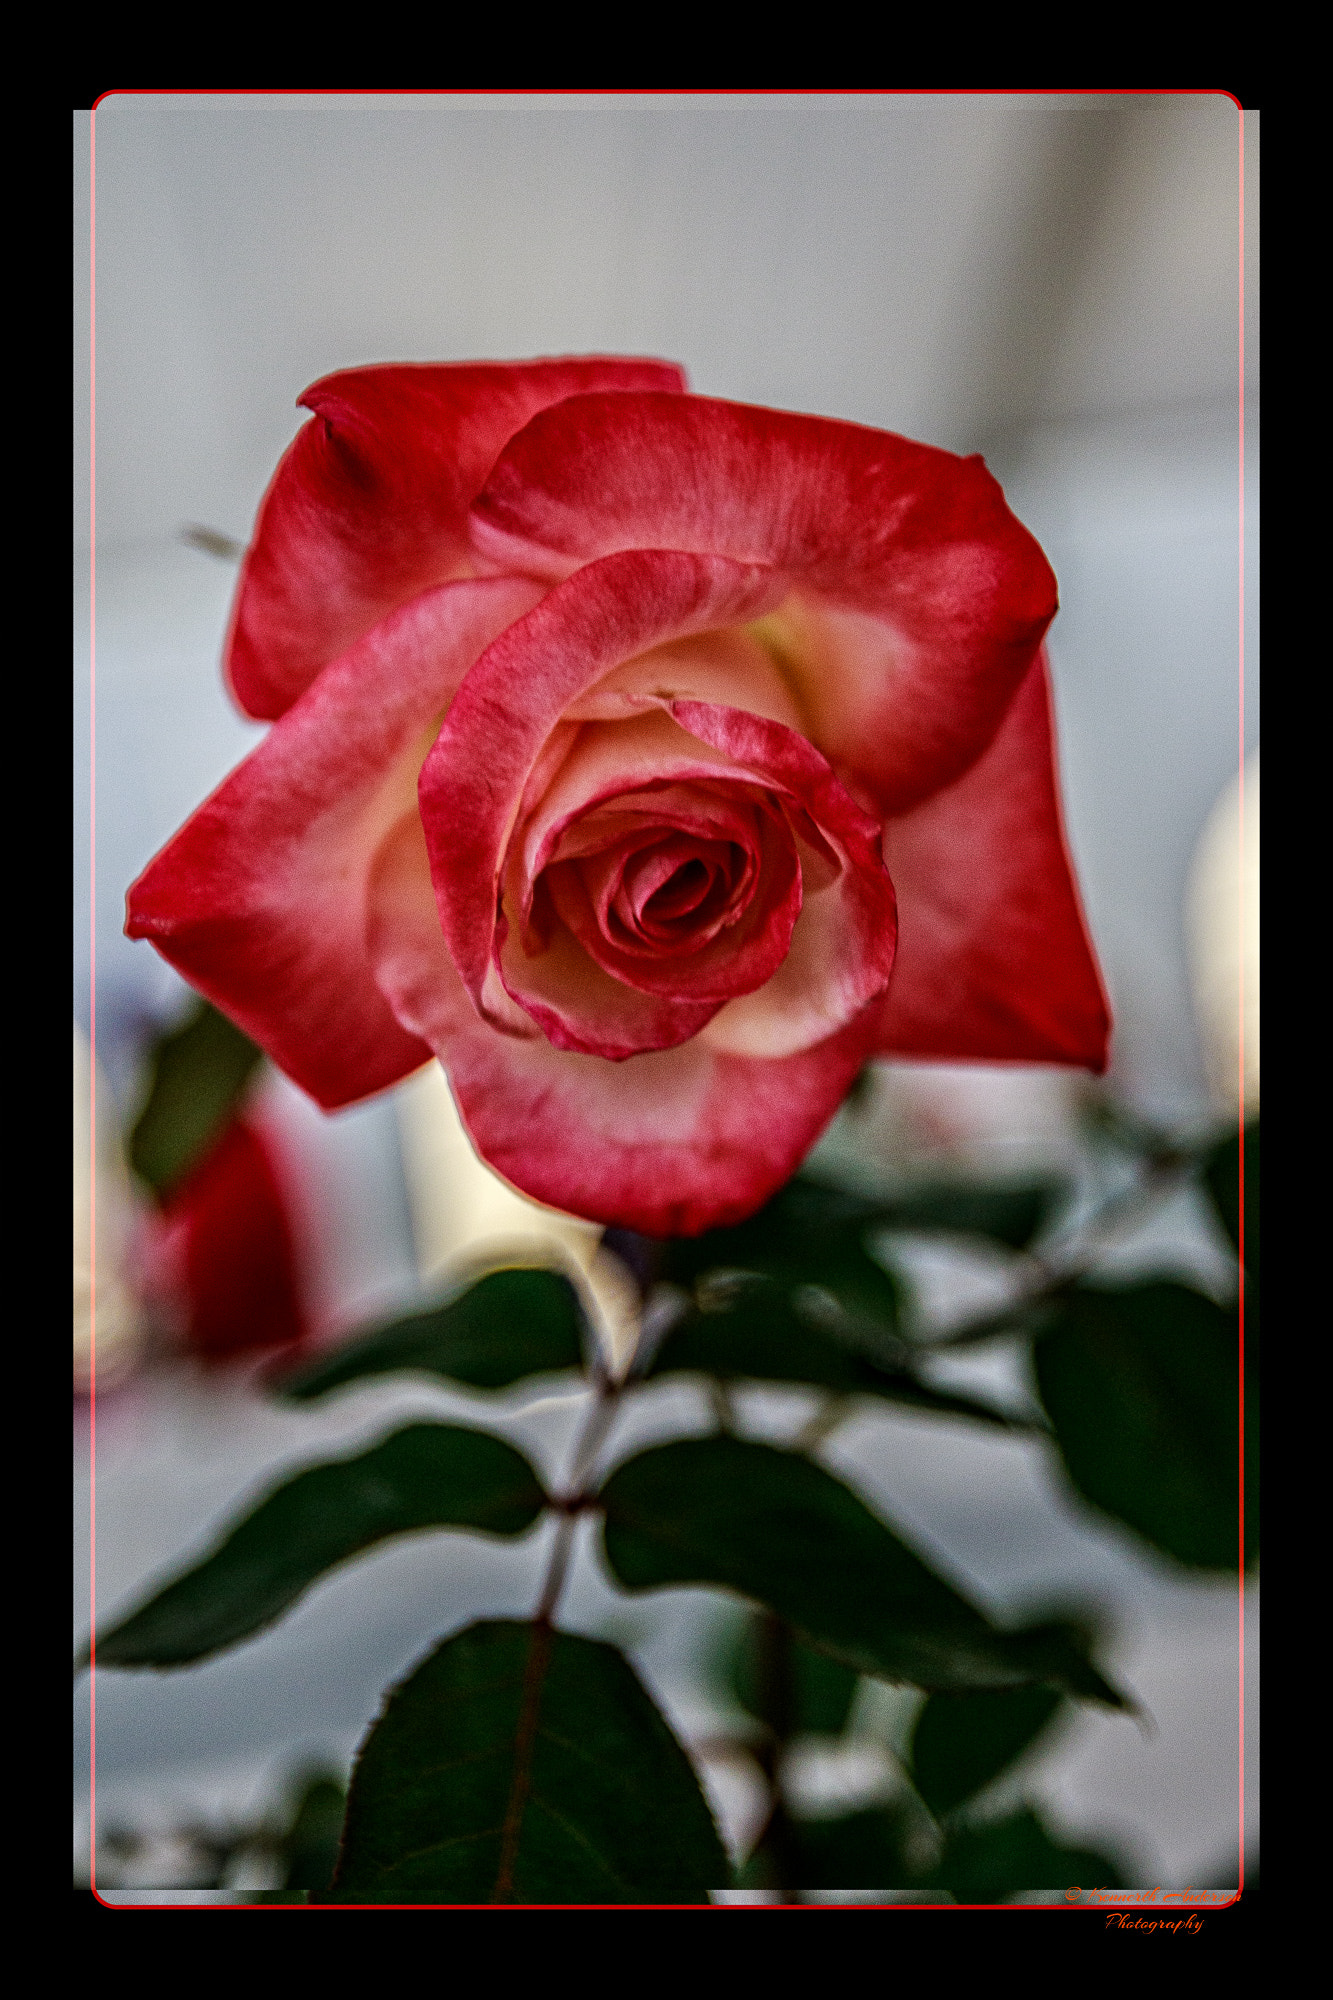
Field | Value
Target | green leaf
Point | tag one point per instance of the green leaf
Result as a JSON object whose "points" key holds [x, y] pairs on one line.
{"points": [[983, 1864], [518, 1764], [785, 1684], [1222, 1177], [426, 1476], [875, 1848], [758, 1331], [801, 1219], [310, 1845], [962, 1742], [1142, 1387], [777, 1528], [200, 1072], [1060, 1655], [509, 1325], [808, 1235], [814, 1236], [1006, 1213]]}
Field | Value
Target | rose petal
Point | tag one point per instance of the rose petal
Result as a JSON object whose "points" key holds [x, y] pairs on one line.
{"points": [[731, 668], [634, 775], [673, 896], [563, 968], [640, 769], [368, 506], [993, 960], [473, 781], [579, 1005], [918, 600], [414, 970], [669, 1143], [842, 948], [729, 958], [260, 898]]}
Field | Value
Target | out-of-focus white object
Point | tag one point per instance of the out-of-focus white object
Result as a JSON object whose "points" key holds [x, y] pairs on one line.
{"points": [[108, 1326], [465, 1218], [1223, 927]]}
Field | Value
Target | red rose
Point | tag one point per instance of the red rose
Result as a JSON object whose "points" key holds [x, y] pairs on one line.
{"points": [[225, 1250], [610, 726]]}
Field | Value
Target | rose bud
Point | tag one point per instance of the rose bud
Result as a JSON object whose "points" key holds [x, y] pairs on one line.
{"points": [[224, 1254]]}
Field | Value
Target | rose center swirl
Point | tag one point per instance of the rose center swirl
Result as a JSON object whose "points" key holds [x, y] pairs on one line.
{"points": [[627, 924]]}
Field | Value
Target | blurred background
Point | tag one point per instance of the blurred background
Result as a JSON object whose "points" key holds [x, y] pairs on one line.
{"points": [[1052, 281]]}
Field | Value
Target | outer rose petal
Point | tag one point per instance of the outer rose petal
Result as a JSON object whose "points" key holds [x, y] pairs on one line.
{"points": [[260, 898], [993, 958], [918, 601], [368, 506], [669, 1144]]}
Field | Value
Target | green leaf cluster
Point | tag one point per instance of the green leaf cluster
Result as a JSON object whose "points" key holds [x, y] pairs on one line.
{"points": [[521, 1763], [1142, 1384], [1148, 1386], [775, 1527], [798, 1295], [939, 1838]]}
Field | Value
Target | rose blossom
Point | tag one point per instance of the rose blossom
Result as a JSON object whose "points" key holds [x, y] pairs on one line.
{"points": [[651, 760]]}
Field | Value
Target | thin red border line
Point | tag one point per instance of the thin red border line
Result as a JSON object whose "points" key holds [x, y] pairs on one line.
{"points": [[1240, 1008], [93, 1399], [1015, 1909], [92, 993], [1082, 90]]}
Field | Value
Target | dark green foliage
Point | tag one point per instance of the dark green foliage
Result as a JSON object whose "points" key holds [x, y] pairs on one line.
{"points": [[788, 1686], [426, 1476], [962, 1742], [1142, 1387], [758, 1331], [807, 1223], [310, 1844], [1009, 1214], [507, 1326], [1060, 1654], [875, 1848], [1222, 1177], [779, 1529], [987, 1864], [808, 1235], [200, 1072], [519, 1764]]}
